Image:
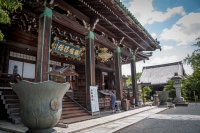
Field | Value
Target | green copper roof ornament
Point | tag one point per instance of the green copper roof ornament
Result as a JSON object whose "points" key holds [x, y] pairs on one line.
{"points": [[47, 12], [133, 57], [90, 35], [117, 49]]}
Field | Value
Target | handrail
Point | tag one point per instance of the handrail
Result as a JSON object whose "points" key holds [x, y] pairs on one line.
{"points": [[78, 104]]}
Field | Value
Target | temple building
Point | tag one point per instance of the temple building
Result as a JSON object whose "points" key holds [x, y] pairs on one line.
{"points": [[157, 76], [96, 37]]}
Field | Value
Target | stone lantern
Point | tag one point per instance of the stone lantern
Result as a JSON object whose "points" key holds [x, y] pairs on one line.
{"points": [[178, 100]]}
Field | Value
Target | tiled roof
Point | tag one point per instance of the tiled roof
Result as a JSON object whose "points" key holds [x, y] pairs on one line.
{"points": [[160, 74], [136, 21]]}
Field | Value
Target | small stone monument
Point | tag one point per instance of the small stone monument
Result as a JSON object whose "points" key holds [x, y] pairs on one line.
{"points": [[178, 100], [15, 70], [118, 105], [155, 100]]}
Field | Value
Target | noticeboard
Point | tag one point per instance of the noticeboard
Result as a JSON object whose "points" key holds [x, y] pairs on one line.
{"points": [[94, 99]]}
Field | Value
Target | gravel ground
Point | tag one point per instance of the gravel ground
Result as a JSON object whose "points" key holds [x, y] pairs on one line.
{"points": [[177, 125]]}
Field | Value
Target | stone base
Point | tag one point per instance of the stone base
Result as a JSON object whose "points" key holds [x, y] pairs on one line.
{"points": [[181, 104], [163, 103], [155, 104], [180, 101], [42, 131]]}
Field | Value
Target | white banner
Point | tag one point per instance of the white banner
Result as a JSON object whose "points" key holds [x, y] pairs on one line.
{"points": [[94, 99]]}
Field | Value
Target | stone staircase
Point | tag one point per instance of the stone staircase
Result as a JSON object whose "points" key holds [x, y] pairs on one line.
{"points": [[11, 102], [80, 96], [71, 109]]}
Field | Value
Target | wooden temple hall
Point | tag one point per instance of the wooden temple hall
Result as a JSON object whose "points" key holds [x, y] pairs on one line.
{"points": [[96, 37]]}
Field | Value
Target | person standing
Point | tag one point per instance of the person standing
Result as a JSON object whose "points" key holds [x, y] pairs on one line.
{"points": [[112, 101], [152, 98]]}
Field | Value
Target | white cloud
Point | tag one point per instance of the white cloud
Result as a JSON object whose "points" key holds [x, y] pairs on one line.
{"points": [[145, 12], [153, 35], [163, 60], [166, 47], [188, 69], [184, 31]]}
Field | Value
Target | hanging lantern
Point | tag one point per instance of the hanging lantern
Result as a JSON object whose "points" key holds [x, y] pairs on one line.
{"points": [[104, 55]]}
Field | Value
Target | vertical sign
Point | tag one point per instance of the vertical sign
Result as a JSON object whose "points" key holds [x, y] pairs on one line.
{"points": [[94, 99]]}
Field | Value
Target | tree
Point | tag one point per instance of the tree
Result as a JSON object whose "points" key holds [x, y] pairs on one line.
{"points": [[138, 75], [7, 7], [129, 80], [194, 61], [169, 87], [145, 94]]}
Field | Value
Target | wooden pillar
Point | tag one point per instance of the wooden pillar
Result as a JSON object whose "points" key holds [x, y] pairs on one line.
{"points": [[118, 74], [4, 59], [110, 78], [134, 78], [103, 83], [89, 66], [44, 40]]}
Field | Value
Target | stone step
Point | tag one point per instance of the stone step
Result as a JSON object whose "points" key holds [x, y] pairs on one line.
{"points": [[13, 110], [8, 106], [75, 112], [9, 97], [8, 93], [71, 108], [69, 105], [66, 100], [10, 101], [65, 116]]}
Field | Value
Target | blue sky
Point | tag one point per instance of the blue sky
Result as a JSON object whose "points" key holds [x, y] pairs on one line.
{"points": [[175, 23]]}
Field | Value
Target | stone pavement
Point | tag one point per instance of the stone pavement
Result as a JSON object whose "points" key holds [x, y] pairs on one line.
{"points": [[178, 120], [109, 123], [116, 125]]}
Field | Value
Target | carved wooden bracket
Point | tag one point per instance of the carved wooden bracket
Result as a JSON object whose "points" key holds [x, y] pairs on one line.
{"points": [[25, 22], [90, 27], [117, 43]]}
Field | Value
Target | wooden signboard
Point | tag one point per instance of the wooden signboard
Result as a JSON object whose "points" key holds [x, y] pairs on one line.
{"points": [[67, 49]]}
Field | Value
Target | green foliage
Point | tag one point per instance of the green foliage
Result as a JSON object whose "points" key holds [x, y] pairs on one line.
{"points": [[169, 87], [146, 91], [138, 75], [184, 91], [7, 7], [193, 81], [129, 80], [194, 59], [1, 35]]}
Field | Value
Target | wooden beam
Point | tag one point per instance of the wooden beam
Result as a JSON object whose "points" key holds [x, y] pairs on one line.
{"points": [[19, 45], [63, 20], [66, 7]]}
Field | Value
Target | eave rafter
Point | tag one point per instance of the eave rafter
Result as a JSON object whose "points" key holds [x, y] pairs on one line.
{"points": [[111, 24], [125, 24]]}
